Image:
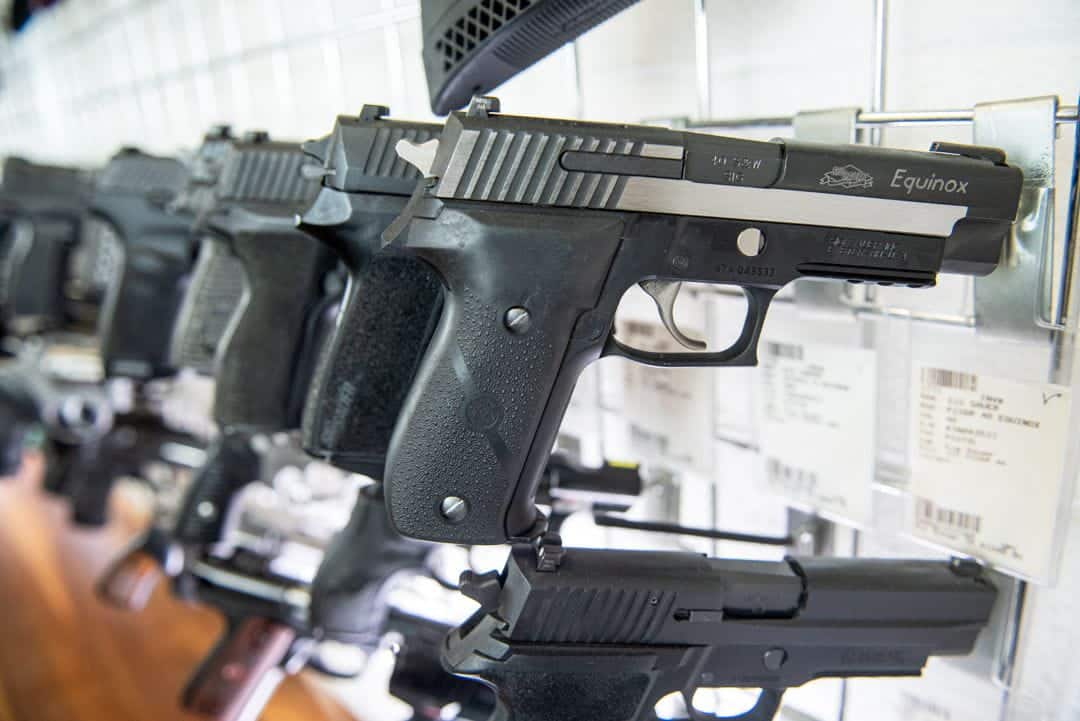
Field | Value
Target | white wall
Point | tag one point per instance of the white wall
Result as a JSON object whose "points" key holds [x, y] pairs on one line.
{"points": [[90, 76]]}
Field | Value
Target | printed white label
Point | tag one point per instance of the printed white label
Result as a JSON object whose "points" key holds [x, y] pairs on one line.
{"points": [[816, 408], [668, 408], [987, 457]]}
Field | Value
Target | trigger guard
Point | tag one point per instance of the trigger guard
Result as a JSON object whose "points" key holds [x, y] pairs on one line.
{"points": [[764, 709], [742, 352]]}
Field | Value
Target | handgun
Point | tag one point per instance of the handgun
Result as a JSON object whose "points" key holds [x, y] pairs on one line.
{"points": [[420, 680], [391, 303], [133, 195], [609, 633], [348, 595], [134, 439], [471, 46], [139, 435], [349, 603], [71, 415], [216, 287], [262, 643], [264, 361], [537, 228], [45, 205]]}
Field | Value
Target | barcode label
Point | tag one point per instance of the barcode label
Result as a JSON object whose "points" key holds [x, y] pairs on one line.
{"points": [[929, 512], [940, 378], [790, 478], [784, 350]]}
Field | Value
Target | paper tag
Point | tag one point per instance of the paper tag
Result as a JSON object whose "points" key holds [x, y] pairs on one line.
{"points": [[669, 409], [987, 461], [816, 409]]}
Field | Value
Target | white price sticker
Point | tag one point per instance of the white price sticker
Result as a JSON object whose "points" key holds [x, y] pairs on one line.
{"points": [[816, 408], [987, 466], [669, 409]]}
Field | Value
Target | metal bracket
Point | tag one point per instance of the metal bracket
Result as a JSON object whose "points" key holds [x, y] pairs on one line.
{"points": [[1016, 300]]}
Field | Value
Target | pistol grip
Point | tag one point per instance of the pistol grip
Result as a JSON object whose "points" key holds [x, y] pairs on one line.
{"points": [[231, 464], [238, 677], [367, 364], [103, 462], [215, 291], [38, 282], [284, 270], [495, 380], [13, 432], [140, 305], [347, 599], [62, 466]]}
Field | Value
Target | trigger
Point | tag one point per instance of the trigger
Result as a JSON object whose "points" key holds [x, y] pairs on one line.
{"points": [[664, 293]]}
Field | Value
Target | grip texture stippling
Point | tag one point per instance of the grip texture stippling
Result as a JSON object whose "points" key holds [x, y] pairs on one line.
{"points": [[478, 404], [369, 361]]}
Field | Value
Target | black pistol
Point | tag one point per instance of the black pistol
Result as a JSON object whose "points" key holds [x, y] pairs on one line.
{"points": [[133, 196], [607, 634], [43, 207], [262, 367], [538, 227], [216, 286], [391, 303]]}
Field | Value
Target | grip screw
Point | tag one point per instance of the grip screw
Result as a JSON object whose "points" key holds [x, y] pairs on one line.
{"points": [[517, 320], [454, 509], [206, 510]]}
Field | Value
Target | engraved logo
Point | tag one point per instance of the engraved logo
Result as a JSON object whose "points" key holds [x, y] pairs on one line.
{"points": [[483, 413], [847, 177], [901, 179]]}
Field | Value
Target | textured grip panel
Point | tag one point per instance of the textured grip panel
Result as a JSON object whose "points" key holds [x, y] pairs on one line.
{"points": [[115, 455], [366, 366], [37, 290], [215, 291], [230, 465], [284, 269], [476, 408], [141, 301]]}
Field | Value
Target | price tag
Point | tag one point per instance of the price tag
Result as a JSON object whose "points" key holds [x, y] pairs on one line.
{"points": [[987, 466], [816, 410]]}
